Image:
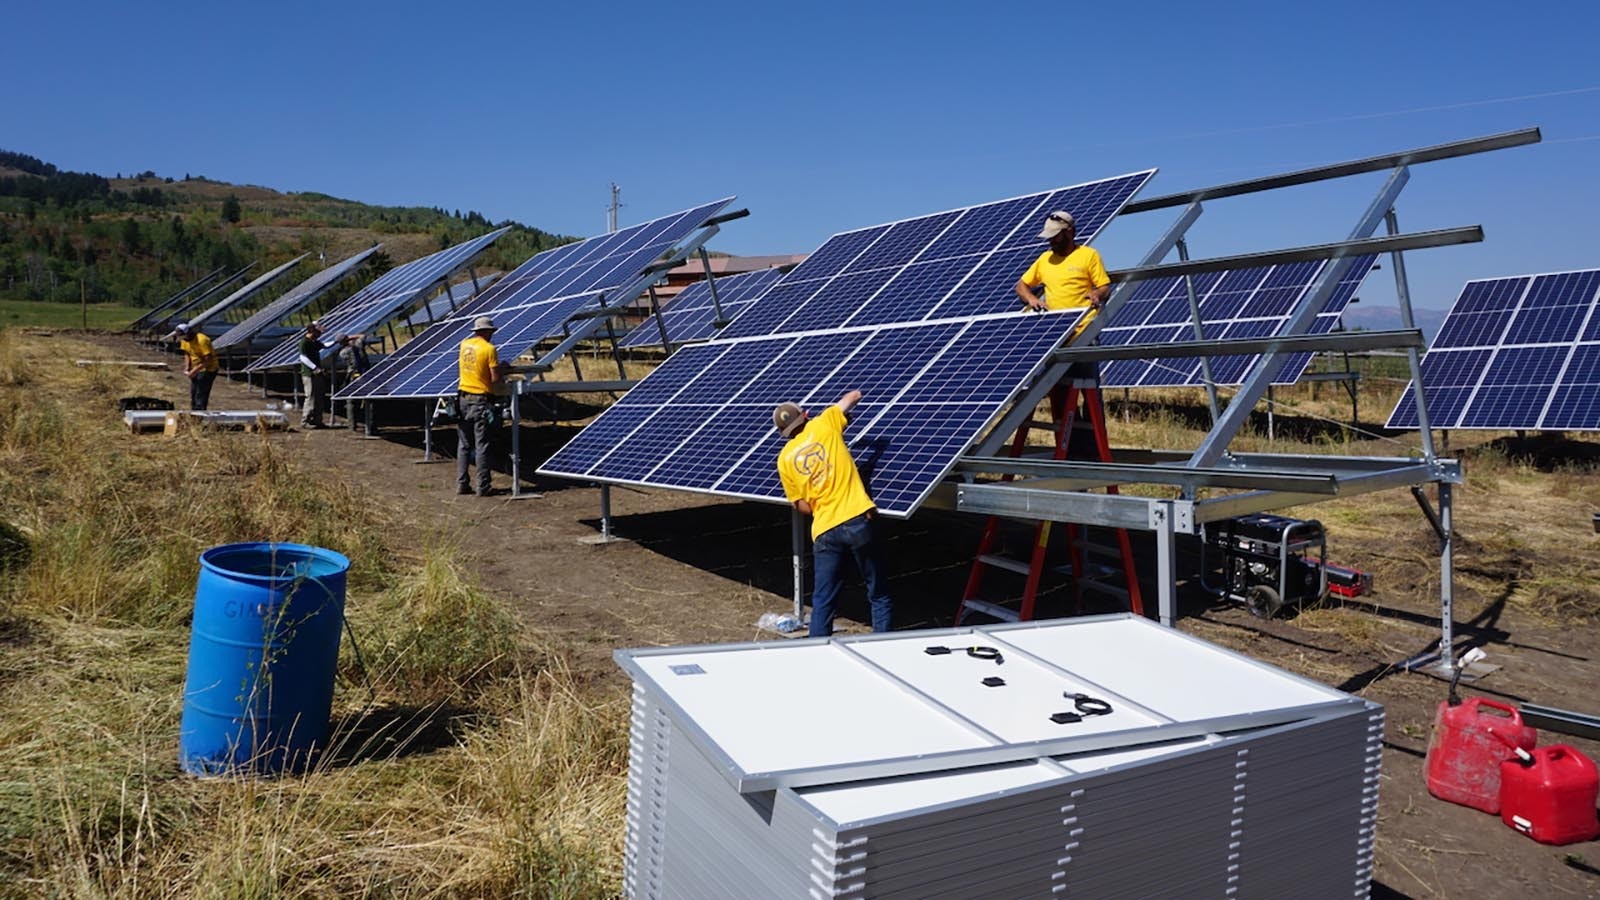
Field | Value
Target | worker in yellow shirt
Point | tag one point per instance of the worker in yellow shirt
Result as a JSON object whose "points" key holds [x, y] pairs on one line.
{"points": [[1073, 275], [199, 363], [820, 478], [480, 370]]}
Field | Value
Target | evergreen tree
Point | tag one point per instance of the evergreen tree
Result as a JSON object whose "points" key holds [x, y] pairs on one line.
{"points": [[230, 209]]}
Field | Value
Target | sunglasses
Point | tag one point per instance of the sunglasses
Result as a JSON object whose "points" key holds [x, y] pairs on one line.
{"points": [[1056, 218]]}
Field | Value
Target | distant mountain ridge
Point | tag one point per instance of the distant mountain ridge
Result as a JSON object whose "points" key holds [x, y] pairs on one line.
{"points": [[138, 239]]}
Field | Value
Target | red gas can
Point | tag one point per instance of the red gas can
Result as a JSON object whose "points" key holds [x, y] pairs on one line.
{"points": [[1464, 756], [1550, 795]]}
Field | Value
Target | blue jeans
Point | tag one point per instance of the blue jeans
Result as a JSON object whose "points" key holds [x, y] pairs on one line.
{"points": [[853, 539]]}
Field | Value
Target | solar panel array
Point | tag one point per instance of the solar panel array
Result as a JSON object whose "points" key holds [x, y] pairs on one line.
{"points": [[691, 316], [534, 302], [702, 421], [381, 300], [1236, 304], [152, 314], [292, 301], [1515, 353], [963, 262], [920, 315]]}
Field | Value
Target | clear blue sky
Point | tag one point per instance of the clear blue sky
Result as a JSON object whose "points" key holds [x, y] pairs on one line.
{"points": [[824, 116]]}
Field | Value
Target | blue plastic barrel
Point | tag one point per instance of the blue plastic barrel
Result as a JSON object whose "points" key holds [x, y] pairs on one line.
{"points": [[262, 656]]}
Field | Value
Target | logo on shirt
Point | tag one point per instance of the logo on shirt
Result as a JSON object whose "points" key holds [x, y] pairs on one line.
{"points": [[811, 461]]}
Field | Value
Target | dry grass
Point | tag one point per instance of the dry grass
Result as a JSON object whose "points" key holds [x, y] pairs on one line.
{"points": [[472, 768]]}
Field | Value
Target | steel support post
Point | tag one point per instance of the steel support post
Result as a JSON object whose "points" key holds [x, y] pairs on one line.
{"points": [[427, 432], [366, 415], [516, 443], [605, 512], [1166, 578], [711, 285], [1271, 404], [661, 326], [1447, 542], [1261, 374], [1199, 332], [1402, 289], [797, 542]]}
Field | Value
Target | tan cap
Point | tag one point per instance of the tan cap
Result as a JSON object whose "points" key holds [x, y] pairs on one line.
{"points": [[1055, 223], [787, 418], [483, 323]]}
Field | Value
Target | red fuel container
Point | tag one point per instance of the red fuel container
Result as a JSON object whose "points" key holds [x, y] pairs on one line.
{"points": [[1464, 756], [1550, 797]]}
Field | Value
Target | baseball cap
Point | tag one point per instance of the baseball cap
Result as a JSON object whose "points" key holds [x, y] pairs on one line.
{"points": [[787, 418], [483, 323], [181, 328], [1055, 223]]}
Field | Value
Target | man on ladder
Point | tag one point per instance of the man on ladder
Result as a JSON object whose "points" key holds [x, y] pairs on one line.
{"points": [[1072, 274], [1073, 277]]}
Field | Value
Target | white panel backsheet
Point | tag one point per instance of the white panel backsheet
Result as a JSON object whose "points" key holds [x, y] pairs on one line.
{"points": [[1169, 673], [733, 699]]}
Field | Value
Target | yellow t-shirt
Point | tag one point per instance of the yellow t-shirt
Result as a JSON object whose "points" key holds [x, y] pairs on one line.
{"points": [[478, 359], [197, 352], [1067, 279], [815, 466]]}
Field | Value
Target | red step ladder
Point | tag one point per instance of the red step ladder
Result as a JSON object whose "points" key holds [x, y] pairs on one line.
{"points": [[1064, 410]]}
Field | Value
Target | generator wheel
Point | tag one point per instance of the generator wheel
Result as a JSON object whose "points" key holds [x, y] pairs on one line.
{"points": [[1263, 602]]}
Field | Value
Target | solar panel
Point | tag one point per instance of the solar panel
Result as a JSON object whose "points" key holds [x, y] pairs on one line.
{"points": [[702, 421], [171, 317], [962, 262], [155, 311], [534, 302], [244, 293], [691, 316], [1239, 303], [381, 300], [1515, 353], [292, 301]]}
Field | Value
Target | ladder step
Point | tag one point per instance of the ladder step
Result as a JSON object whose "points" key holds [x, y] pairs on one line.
{"points": [[1002, 562], [992, 610]]}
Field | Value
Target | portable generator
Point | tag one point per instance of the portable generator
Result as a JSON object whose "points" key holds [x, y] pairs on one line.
{"points": [[1266, 562]]}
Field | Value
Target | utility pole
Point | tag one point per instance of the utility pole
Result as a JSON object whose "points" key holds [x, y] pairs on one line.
{"points": [[611, 211]]}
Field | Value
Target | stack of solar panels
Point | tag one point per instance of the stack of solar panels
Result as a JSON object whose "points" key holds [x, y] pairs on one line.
{"points": [[1210, 775]]}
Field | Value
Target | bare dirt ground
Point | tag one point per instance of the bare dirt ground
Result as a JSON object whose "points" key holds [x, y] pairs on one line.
{"points": [[698, 569]]}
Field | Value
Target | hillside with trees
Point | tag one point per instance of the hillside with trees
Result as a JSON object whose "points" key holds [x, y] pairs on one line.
{"points": [[137, 239]]}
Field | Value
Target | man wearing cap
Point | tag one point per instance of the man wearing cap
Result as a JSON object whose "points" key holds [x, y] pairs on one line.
{"points": [[1073, 275], [820, 478], [313, 376], [480, 371], [199, 363]]}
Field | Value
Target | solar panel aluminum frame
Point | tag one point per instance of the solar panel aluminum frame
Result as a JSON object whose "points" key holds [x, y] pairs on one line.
{"points": [[748, 782], [244, 293], [295, 299], [199, 284]]}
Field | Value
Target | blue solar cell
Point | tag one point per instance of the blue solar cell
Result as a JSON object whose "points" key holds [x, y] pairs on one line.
{"points": [[1241, 303], [538, 299], [957, 375], [997, 242], [1517, 352], [833, 256], [605, 432]]}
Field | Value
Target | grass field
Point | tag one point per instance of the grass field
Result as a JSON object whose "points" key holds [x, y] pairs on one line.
{"points": [[38, 314], [463, 761]]}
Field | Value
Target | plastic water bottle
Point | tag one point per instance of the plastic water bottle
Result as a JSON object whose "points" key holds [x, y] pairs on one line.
{"points": [[783, 623]]}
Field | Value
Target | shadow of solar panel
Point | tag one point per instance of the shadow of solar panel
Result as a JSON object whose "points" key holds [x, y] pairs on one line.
{"points": [[1514, 353]]}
